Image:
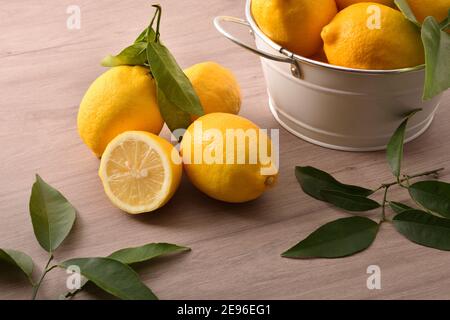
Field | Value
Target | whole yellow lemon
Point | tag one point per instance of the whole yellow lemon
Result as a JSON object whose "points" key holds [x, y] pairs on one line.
{"points": [[320, 56], [294, 24], [216, 87], [345, 3], [228, 158], [424, 8], [372, 36], [121, 99]]}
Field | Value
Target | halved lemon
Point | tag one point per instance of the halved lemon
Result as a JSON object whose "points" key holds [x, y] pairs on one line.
{"points": [[140, 171]]}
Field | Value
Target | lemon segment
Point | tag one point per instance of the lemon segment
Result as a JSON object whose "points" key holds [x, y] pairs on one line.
{"points": [[140, 171]]}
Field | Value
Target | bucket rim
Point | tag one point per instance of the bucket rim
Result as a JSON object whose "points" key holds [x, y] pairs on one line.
{"points": [[258, 32]]}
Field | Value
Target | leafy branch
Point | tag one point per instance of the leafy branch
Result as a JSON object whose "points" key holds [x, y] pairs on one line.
{"points": [[427, 225], [53, 217], [177, 99]]}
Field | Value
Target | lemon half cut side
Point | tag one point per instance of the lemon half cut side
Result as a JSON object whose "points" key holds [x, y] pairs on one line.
{"points": [[140, 171]]}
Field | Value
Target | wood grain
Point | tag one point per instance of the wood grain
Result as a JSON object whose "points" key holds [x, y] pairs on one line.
{"points": [[45, 70]]}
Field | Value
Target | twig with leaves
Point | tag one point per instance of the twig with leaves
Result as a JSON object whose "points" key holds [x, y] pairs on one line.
{"points": [[427, 225], [177, 99], [52, 217]]}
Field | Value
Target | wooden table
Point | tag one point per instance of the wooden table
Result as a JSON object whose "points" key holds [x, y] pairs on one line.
{"points": [[45, 70]]}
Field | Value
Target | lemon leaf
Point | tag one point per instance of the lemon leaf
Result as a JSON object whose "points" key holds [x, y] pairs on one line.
{"points": [[145, 252], [113, 277], [424, 229], [134, 55], [133, 255], [51, 213], [432, 195], [174, 117], [349, 202], [394, 151], [19, 260], [175, 91], [437, 57], [399, 207], [171, 79], [336, 239], [313, 181], [407, 11]]}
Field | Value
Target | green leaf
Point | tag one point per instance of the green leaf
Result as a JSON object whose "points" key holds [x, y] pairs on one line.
{"points": [[407, 11], [446, 23], [437, 57], [313, 181], [134, 55], [394, 149], [398, 207], [19, 260], [113, 277], [432, 195], [171, 79], [137, 254], [349, 202], [174, 117], [144, 34], [340, 238], [424, 229], [51, 214], [145, 252]]}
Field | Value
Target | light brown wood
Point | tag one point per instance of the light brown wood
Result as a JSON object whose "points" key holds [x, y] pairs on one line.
{"points": [[45, 70]]}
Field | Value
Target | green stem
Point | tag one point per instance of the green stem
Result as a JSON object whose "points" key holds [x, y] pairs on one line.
{"points": [[383, 206], [44, 273], [158, 20], [399, 182], [156, 16], [408, 177]]}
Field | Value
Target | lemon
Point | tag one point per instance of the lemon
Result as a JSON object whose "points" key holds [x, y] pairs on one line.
{"points": [[228, 158], [294, 24], [345, 3], [140, 171], [354, 39], [320, 56], [424, 8], [216, 87], [121, 99]]}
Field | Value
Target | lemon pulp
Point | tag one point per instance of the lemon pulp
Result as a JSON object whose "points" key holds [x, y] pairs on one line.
{"points": [[138, 172]]}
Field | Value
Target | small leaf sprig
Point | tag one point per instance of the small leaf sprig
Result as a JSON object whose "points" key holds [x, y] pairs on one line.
{"points": [[177, 99], [428, 224], [53, 217], [436, 42]]}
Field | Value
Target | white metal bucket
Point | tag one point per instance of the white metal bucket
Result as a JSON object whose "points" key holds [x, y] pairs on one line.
{"points": [[337, 107]]}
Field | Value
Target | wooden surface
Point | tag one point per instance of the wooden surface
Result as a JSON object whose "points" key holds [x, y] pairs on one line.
{"points": [[45, 70]]}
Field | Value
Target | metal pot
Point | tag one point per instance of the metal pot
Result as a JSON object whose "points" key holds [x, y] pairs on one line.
{"points": [[337, 107]]}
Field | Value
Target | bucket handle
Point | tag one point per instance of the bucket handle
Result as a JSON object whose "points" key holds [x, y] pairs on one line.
{"points": [[218, 23]]}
